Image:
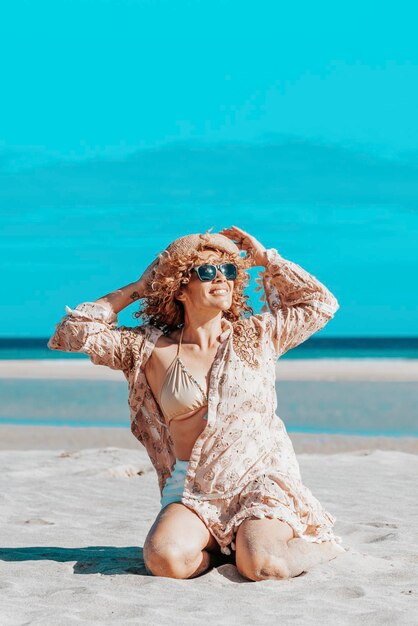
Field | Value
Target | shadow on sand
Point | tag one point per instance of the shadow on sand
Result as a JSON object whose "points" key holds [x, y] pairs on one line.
{"points": [[106, 560]]}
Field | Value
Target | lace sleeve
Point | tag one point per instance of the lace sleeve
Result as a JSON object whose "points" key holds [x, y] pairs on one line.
{"points": [[92, 328], [296, 304]]}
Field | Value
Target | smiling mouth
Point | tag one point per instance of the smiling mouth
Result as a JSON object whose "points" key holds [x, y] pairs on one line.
{"points": [[219, 292]]}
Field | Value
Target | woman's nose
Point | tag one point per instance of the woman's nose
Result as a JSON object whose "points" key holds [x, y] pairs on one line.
{"points": [[219, 275]]}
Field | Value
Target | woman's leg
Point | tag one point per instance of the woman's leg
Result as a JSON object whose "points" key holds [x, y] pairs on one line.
{"points": [[178, 545], [266, 548]]}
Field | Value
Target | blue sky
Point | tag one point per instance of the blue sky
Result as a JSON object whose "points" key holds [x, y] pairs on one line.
{"points": [[127, 124]]}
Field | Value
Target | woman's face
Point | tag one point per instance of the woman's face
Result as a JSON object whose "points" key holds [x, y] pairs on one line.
{"points": [[215, 294]]}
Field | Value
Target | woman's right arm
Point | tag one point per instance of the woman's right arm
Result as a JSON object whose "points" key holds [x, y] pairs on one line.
{"points": [[123, 297], [92, 328]]}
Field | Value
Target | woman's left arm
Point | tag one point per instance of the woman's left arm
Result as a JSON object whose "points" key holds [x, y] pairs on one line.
{"points": [[296, 303]]}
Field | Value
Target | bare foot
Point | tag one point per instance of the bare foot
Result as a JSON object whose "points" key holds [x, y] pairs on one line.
{"points": [[303, 555]]}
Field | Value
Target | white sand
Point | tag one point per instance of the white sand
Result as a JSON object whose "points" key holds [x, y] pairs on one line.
{"points": [[73, 526], [75, 513], [287, 369]]}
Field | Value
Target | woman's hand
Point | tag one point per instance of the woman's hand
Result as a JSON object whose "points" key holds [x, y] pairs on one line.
{"points": [[254, 249], [148, 273]]}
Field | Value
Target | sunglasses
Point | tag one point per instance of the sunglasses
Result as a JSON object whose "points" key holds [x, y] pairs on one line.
{"points": [[207, 271]]}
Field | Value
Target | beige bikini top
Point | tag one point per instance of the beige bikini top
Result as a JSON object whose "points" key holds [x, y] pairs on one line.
{"points": [[180, 392]]}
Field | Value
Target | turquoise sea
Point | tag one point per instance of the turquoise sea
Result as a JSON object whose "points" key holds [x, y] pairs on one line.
{"points": [[349, 407], [313, 348], [366, 257]]}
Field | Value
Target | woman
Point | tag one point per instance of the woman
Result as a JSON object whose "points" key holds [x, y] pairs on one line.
{"points": [[201, 376]]}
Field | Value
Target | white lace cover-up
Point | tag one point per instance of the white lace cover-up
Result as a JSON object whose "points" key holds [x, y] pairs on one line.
{"points": [[243, 464]]}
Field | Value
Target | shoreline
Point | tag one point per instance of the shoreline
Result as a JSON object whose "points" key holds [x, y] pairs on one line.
{"points": [[73, 438], [48, 437], [373, 369]]}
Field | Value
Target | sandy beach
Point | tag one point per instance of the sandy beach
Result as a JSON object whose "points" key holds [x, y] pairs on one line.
{"points": [[77, 504], [73, 526]]}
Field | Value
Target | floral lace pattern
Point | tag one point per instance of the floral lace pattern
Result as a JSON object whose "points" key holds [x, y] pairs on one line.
{"points": [[246, 340], [243, 464]]}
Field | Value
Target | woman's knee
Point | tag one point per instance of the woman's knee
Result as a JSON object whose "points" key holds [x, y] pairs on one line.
{"points": [[168, 560], [262, 549], [263, 566], [176, 543]]}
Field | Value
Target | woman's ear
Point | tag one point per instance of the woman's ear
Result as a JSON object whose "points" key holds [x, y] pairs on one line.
{"points": [[179, 296]]}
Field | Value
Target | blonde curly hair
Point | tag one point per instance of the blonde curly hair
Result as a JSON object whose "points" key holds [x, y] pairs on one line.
{"points": [[160, 307]]}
